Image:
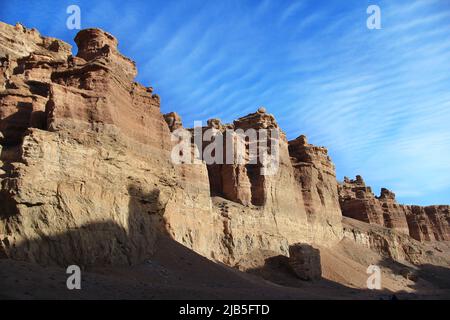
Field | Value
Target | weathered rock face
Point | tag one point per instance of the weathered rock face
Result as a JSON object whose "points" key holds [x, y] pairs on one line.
{"points": [[23, 100], [358, 201], [87, 177], [421, 223], [393, 244], [300, 197], [428, 223], [244, 183], [305, 261], [315, 174]]}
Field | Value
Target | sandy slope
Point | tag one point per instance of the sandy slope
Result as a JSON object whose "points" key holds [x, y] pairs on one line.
{"points": [[178, 273]]}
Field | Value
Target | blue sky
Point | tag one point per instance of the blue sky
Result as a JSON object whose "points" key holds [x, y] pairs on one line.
{"points": [[378, 99]]}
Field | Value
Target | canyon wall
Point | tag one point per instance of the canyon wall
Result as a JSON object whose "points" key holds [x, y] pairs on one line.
{"points": [[87, 176], [421, 223]]}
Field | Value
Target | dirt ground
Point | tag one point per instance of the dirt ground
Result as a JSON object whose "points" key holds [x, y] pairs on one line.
{"points": [[176, 272]]}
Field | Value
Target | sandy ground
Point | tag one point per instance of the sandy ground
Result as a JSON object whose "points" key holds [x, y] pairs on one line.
{"points": [[178, 273], [347, 264]]}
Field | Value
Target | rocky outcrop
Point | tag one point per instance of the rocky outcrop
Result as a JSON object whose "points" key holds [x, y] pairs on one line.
{"points": [[421, 223], [26, 58], [300, 197], [316, 177], [238, 181], [173, 120], [87, 176], [393, 244], [305, 261], [428, 223]]}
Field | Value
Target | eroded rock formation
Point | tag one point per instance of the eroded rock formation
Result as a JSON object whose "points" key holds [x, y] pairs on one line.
{"points": [[421, 223], [87, 175], [305, 261], [91, 182], [428, 223], [315, 173]]}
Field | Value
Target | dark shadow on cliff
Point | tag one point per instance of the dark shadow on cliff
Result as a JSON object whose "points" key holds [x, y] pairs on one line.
{"points": [[8, 155], [13, 128], [141, 262], [278, 270], [144, 262], [98, 243], [427, 280]]}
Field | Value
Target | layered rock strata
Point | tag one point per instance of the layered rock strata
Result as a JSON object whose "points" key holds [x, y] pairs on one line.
{"points": [[421, 223], [87, 176], [395, 245], [316, 177]]}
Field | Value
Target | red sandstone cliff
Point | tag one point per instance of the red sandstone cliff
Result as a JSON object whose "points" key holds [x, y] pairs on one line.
{"points": [[86, 172], [421, 223], [87, 175]]}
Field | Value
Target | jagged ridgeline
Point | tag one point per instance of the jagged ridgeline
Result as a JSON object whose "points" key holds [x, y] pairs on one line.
{"points": [[421, 223], [87, 177]]}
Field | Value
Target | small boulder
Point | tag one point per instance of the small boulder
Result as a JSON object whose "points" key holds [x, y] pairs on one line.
{"points": [[305, 262]]}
